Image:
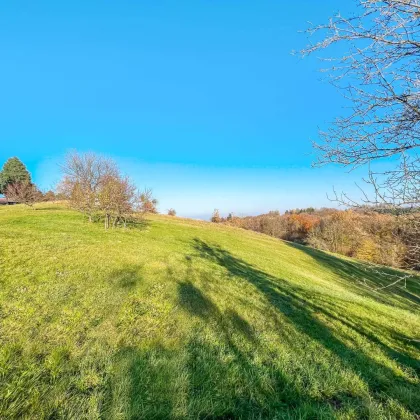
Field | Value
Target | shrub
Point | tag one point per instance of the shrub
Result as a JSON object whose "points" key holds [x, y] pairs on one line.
{"points": [[146, 202], [49, 196], [215, 218]]}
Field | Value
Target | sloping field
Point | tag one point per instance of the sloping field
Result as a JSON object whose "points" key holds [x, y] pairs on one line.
{"points": [[183, 319]]}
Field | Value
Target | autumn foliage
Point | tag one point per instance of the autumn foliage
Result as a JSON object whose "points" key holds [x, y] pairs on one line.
{"points": [[368, 235]]}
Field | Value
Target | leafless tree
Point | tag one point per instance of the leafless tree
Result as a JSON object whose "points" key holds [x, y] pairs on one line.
{"points": [[23, 192], [94, 186], [83, 175], [379, 76]]}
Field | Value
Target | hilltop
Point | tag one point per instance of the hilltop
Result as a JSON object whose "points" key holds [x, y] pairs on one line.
{"points": [[184, 319]]}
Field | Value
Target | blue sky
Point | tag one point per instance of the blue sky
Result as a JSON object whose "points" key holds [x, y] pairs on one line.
{"points": [[202, 101]]}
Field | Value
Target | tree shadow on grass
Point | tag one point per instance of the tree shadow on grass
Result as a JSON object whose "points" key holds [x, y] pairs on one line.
{"points": [[126, 278], [371, 332], [138, 224], [195, 302], [52, 208], [302, 309], [224, 380], [140, 385], [363, 277]]}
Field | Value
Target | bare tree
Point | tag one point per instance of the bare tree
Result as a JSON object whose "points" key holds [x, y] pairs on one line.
{"points": [[23, 192], [379, 76], [94, 186], [83, 175]]}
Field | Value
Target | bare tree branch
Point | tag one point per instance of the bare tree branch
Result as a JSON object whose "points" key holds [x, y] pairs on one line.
{"points": [[379, 75]]}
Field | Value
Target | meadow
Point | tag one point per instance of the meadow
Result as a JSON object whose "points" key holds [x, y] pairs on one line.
{"points": [[183, 319]]}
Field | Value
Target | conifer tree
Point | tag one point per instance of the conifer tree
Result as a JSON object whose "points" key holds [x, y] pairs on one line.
{"points": [[13, 172]]}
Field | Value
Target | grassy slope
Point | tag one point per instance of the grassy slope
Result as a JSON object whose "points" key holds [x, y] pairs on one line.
{"points": [[182, 319]]}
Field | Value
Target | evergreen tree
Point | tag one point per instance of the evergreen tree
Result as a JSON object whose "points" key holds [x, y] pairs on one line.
{"points": [[13, 172]]}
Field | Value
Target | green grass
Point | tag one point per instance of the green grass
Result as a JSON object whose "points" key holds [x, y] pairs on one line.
{"points": [[189, 320]]}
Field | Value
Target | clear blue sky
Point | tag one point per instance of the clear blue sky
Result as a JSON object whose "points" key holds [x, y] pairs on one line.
{"points": [[200, 100]]}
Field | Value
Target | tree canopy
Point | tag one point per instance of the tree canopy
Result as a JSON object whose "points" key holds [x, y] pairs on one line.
{"points": [[13, 172]]}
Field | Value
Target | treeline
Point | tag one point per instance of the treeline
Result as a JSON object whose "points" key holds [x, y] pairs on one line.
{"points": [[375, 235]]}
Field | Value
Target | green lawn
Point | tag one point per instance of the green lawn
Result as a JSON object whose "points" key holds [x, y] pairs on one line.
{"points": [[183, 319]]}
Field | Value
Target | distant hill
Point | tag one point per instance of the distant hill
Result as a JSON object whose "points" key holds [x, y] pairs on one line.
{"points": [[185, 319]]}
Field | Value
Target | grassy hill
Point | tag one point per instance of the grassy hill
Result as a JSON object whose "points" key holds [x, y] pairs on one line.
{"points": [[185, 319]]}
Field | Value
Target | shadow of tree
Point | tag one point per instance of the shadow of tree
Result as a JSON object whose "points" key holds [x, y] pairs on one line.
{"points": [[239, 324], [405, 295], [138, 224], [132, 223], [302, 309], [127, 277], [140, 386], [218, 367], [194, 301], [52, 208], [227, 383]]}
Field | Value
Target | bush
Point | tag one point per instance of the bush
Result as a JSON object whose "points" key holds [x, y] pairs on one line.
{"points": [[146, 202], [215, 218], [49, 196]]}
